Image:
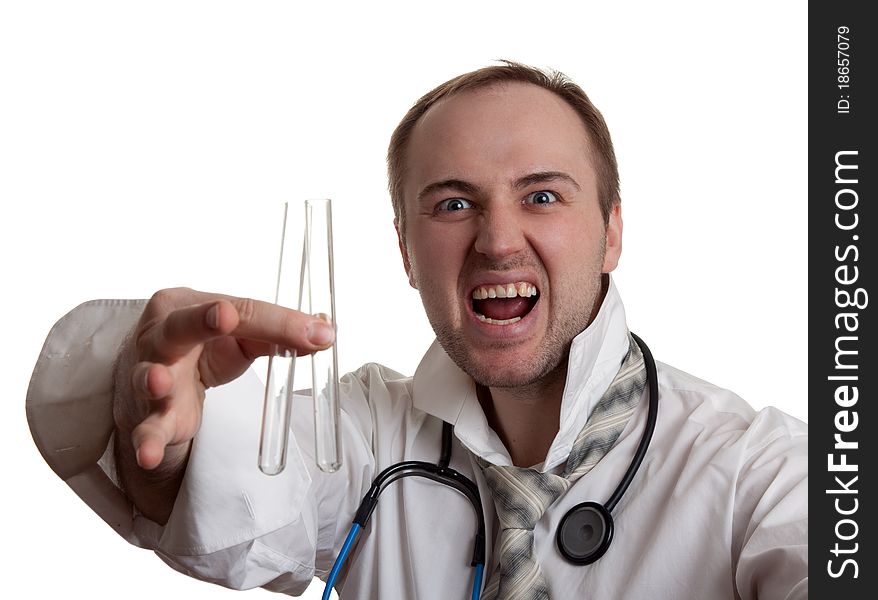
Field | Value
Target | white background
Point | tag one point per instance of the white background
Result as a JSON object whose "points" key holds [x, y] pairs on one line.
{"points": [[152, 144]]}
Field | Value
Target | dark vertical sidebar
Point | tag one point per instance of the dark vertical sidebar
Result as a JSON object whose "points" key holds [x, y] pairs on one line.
{"points": [[842, 370]]}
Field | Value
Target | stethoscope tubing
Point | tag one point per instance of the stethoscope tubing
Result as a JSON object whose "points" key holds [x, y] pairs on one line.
{"points": [[444, 474], [651, 415]]}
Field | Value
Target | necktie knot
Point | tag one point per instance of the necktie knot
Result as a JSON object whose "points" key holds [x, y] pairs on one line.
{"points": [[522, 496]]}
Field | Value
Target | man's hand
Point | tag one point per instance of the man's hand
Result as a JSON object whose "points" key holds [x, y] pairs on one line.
{"points": [[185, 342]]}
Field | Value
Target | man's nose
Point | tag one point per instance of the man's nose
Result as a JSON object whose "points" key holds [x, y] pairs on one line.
{"points": [[501, 233]]}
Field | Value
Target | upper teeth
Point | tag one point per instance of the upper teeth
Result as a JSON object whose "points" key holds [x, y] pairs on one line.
{"points": [[508, 290]]}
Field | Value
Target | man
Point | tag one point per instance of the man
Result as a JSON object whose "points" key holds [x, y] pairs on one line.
{"points": [[505, 192]]}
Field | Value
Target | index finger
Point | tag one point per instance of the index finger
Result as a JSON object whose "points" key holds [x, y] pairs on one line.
{"points": [[185, 328], [274, 324]]}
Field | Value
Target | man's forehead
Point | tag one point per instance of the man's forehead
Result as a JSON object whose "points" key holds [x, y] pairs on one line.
{"points": [[508, 98], [507, 129]]}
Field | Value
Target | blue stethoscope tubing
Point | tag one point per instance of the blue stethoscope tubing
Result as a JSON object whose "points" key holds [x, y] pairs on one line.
{"points": [[346, 549], [442, 473]]}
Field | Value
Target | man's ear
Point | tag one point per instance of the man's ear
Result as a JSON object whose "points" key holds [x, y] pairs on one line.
{"points": [[613, 248], [405, 255]]}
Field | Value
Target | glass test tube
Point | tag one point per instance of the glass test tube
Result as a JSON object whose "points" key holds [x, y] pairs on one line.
{"points": [[315, 295], [320, 298], [281, 362]]}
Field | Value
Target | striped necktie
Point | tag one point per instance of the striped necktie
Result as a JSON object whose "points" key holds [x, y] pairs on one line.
{"points": [[521, 496]]}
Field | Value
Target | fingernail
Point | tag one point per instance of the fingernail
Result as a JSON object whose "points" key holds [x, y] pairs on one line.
{"points": [[320, 333], [213, 317], [146, 382]]}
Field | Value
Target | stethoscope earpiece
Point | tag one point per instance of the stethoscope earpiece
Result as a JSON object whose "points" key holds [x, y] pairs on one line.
{"points": [[585, 533]]}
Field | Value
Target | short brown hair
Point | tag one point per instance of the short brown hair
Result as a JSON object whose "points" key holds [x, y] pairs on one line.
{"points": [[604, 159]]}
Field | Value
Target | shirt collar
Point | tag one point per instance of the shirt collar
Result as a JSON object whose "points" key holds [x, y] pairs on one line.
{"points": [[441, 389]]}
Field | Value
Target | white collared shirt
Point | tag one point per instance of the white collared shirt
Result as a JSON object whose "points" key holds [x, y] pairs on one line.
{"points": [[717, 510]]}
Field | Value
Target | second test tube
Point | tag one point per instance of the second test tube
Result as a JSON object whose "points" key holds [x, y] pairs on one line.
{"points": [[311, 289], [319, 298]]}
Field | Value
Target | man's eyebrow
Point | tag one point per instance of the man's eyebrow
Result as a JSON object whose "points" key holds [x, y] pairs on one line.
{"points": [[545, 177], [465, 187], [448, 184]]}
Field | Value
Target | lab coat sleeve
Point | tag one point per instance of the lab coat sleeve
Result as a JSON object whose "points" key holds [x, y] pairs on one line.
{"points": [[231, 524], [771, 511], [69, 402], [237, 527]]}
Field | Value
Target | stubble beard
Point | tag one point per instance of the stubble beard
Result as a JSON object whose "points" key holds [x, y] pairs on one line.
{"points": [[549, 361]]}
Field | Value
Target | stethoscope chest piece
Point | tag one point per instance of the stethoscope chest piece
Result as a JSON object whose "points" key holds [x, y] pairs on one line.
{"points": [[585, 533]]}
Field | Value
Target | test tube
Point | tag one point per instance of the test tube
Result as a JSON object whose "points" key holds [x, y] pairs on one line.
{"points": [[319, 283], [314, 294], [279, 388]]}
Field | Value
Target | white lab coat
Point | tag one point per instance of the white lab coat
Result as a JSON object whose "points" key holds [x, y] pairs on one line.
{"points": [[717, 510]]}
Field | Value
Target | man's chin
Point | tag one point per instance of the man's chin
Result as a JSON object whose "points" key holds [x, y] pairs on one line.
{"points": [[503, 365], [508, 373]]}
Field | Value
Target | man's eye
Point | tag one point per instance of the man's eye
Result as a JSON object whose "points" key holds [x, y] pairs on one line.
{"points": [[453, 205], [541, 197]]}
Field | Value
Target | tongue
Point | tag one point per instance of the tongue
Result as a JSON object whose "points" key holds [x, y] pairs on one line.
{"points": [[502, 308]]}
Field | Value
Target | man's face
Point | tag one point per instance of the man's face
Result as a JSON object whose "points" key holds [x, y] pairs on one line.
{"points": [[501, 200]]}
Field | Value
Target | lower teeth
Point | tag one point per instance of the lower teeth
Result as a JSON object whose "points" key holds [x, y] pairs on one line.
{"points": [[485, 319]]}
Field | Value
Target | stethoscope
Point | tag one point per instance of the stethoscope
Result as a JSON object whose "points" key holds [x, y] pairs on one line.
{"points": [[584, 533]]}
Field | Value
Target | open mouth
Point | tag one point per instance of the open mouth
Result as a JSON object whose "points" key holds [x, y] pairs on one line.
{"points": [[504, 303]]}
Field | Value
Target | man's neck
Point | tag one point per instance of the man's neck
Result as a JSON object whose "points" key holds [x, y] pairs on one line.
{"points": [[526, 418]]}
